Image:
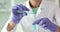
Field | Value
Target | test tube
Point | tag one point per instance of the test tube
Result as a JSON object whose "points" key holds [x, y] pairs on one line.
{"points": [[35, 28], [23, 12]]}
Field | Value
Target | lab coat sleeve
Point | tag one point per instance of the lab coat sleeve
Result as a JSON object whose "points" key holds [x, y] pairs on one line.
{"points": [[57, 15]]}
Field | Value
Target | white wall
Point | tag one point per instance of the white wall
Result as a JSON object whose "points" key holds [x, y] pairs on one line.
{"points": [[57, 2]]}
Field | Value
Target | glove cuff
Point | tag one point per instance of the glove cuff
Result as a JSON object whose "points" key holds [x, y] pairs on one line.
{"points": [[54, 28], [16, 19]]}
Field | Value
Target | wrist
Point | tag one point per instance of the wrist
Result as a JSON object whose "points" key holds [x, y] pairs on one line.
{"points": [[16, 19], [58, 29]]}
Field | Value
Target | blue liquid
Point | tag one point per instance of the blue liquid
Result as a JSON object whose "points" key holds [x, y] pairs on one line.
{"points": [[35, 27]]}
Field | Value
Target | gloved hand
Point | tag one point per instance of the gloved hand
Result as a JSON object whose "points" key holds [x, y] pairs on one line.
{"points": [[46, 23], [18, 12]]}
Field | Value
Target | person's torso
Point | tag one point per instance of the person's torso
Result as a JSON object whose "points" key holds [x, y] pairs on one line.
{"points": [[47, 10]]}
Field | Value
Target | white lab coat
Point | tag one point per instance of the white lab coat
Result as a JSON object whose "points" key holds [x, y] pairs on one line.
{"points": [[47, 9]]}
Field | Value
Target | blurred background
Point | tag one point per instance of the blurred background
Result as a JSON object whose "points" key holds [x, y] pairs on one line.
{"points": [[5, 9]]}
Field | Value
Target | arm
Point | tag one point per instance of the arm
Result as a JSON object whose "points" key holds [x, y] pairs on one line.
{"points": [[57, 16], [58, 29], [10, 25], [46, 23], [17, 13]]}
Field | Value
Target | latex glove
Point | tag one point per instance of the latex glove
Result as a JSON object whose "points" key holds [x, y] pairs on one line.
{"points": [[46, 23], [18, 12]]}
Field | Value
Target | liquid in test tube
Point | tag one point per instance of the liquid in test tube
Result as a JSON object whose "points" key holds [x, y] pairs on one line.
{"points": [[35, 28]]}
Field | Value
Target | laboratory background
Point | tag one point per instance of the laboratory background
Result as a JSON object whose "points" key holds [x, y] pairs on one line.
{"points": [[5, 10]]}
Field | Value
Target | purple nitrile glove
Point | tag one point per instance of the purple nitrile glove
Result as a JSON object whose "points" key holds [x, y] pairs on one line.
{"points": [[46, 23], [18, 12]]}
